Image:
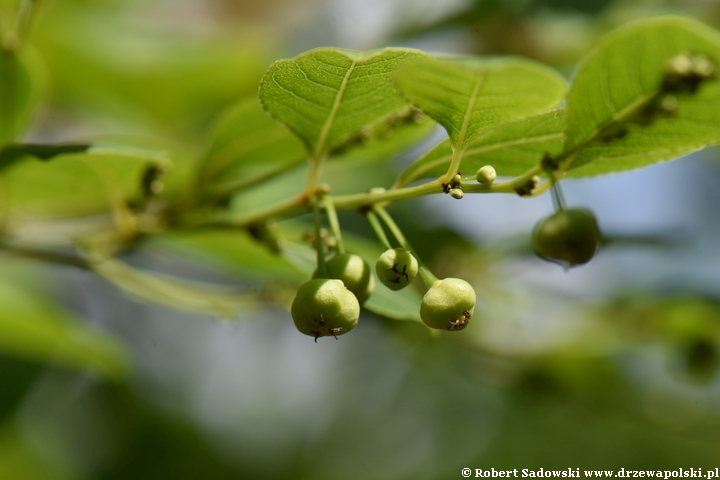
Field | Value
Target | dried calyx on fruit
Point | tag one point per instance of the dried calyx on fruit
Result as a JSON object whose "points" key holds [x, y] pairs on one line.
{"points": [[569, 237], [324, 307], [354, 272], [396, 268], [448, 304]]}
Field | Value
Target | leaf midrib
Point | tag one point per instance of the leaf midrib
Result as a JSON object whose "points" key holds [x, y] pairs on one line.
{"points": [[320, 145]]}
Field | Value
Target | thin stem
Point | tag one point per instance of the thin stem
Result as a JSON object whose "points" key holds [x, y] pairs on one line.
{"points": [[290, 206], [321, 265], [428, 278], [334, 224], [377, 228], [425, 273], [503, 187], [45, 256], [455, 161], [557, 197], [314, 175]]}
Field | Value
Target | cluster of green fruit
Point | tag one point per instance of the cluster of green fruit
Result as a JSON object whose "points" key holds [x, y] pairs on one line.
{"points": [[331, 306], [329, 303]]}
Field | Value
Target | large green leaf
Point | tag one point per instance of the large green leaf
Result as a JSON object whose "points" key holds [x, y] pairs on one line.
{"points": [[247, 145], [17, 95], [511, 148], [326, 95], [33, 328], [625, 70], [467, 96], [79, 183]]}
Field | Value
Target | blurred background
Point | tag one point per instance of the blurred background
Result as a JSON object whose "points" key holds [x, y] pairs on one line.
{"points": [[608, 365]]}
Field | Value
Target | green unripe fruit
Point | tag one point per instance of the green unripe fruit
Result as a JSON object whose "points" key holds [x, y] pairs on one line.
{"points": [[448, 305], [396, 268], [354, 272], [569, 237], [486, 175], [324, 307]]}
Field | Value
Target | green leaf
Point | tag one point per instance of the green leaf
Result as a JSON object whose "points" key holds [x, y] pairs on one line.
{"points": [[79, 183], [17, 95], [467, 96], [625, 70], [16, 151], [326, 95], [172, 292], [35, 329], [230, 250], [247, 146], [511, 148]]}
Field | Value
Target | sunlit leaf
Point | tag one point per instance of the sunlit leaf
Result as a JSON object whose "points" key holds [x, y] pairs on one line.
{"points": [[469, 95], [33, 328], [326, 95], [623, 71], [511, 148]]}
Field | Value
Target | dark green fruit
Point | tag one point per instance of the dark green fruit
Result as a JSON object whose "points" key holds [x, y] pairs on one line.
{"points": [[354, 272], [569, 237], [324, 307], [396, 268], [448, 305]]}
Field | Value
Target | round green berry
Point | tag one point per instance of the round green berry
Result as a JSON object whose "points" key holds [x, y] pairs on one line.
{"points": [[448, 304], [324, 307], [396, 268], [354, 272], [569, 237]]}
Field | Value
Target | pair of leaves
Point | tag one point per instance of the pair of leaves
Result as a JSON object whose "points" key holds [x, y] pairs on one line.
{"points": [[324, 96], [610, 86]]}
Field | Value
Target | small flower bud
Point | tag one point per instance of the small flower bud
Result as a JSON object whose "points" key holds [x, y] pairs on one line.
{"points": [[486, 175], [456, 193]]}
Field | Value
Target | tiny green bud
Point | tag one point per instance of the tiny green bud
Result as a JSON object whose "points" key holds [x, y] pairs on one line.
{"points": [[354, 272], [456, 193], [703, 67], [669, 104], [448, 304], [324, 307], [680, 65], [396, 268], [486, 175], [457, 178]]}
